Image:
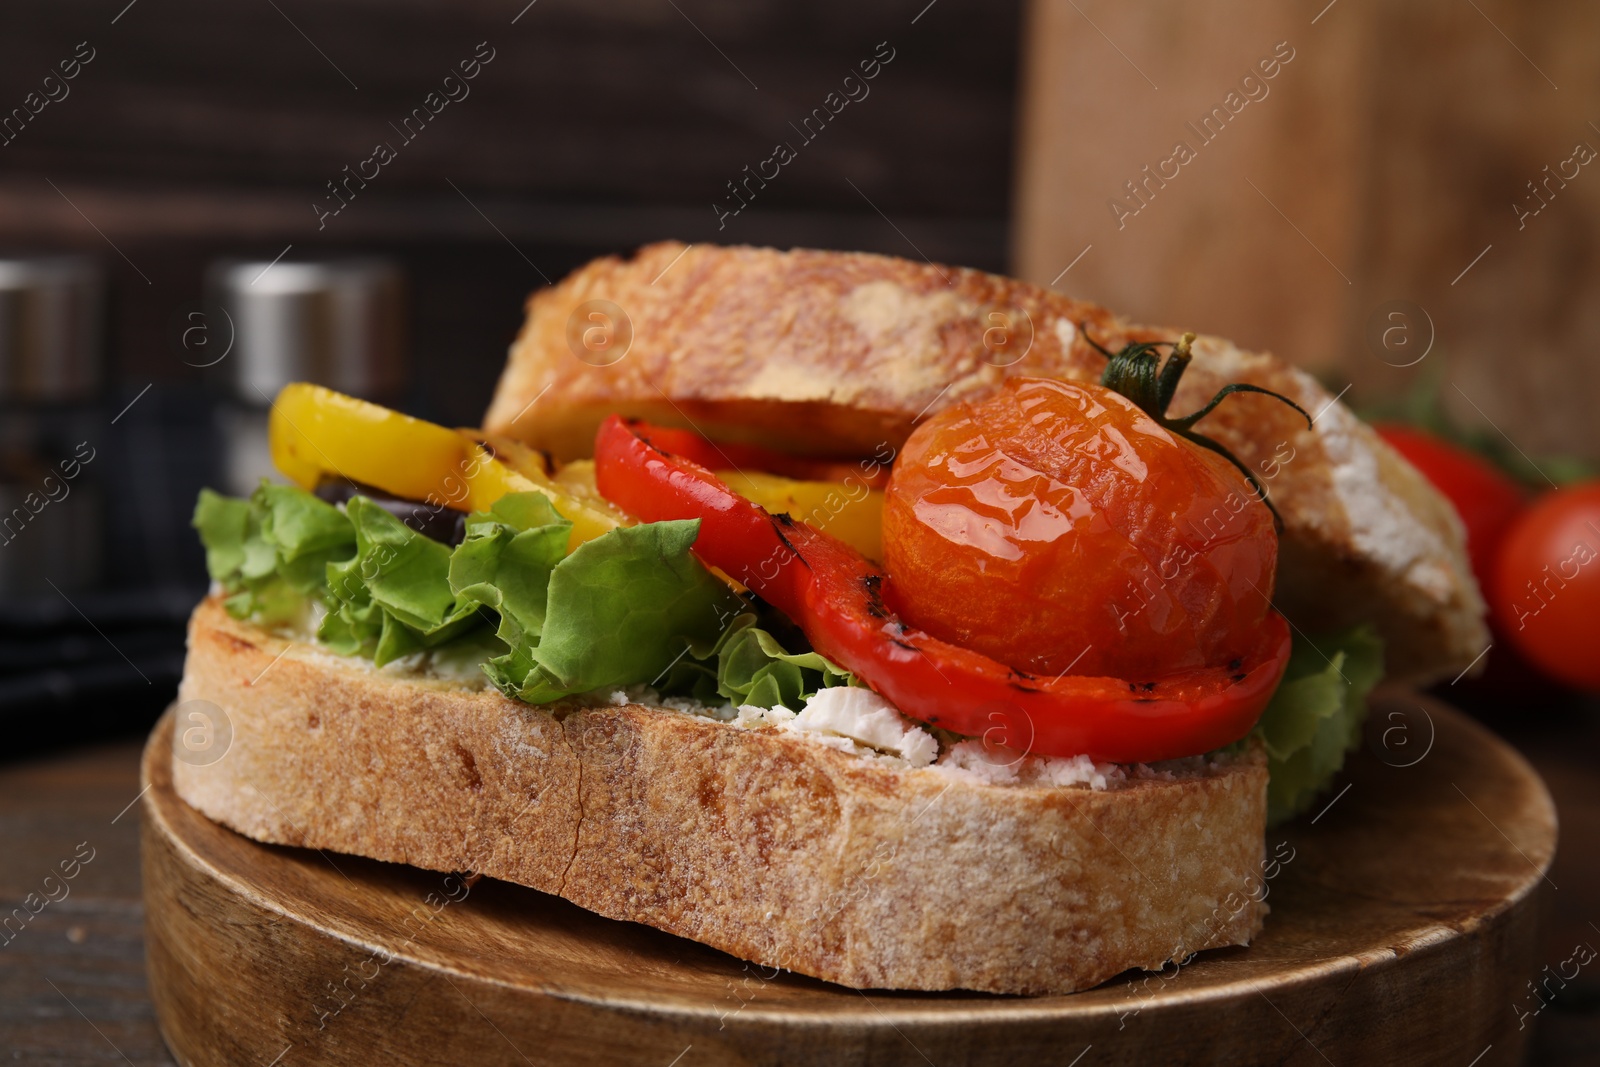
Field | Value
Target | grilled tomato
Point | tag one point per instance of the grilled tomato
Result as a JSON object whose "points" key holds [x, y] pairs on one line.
{"points": [[1058, 526]]}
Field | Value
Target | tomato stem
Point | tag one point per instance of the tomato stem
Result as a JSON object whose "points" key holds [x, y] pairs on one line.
{"points": [[1137, 372]]}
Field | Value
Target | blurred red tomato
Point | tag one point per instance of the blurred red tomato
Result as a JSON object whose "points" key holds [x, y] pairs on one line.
{"points": [[1545, 592], [1486, 499]]}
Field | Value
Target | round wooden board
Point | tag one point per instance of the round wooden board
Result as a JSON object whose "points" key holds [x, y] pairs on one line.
{"points": [[1403, 930]]}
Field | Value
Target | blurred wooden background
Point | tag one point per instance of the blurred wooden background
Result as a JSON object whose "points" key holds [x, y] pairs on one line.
{"points": [[201, 130], [1378, 165]]}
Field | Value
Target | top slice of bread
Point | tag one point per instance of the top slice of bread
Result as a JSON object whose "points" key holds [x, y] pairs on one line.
{"points": [[833, 353]]}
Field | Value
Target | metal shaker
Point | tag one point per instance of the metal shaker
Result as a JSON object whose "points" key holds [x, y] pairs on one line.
{"points": [[339, 323], [51, 373]]}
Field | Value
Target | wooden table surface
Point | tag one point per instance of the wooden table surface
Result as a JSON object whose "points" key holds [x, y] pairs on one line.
{"points": [[72, 980]]}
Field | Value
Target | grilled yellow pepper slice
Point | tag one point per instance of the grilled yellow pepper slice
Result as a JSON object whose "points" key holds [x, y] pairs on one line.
{"points": [[316, 432], [852, 513]]}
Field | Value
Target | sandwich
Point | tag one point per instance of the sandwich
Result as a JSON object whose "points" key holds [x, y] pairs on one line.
{"points": [[898, 625]]}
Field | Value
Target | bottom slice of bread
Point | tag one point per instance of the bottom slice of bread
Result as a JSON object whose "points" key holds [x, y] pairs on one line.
{"points": [[760, 842]]}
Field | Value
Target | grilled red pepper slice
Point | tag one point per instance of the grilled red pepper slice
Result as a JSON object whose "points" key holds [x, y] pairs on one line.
{"points": [[836, 597]]}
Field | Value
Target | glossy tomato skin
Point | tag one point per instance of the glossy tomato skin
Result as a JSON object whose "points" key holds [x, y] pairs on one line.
{"points": [[1486, 499], [1057, 526], [1546, 586]]}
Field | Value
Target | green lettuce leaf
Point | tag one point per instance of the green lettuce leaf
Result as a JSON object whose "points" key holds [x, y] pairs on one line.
{"points": [[308, 534], [1315, 717], [632, 606], [752, 667], [621, 609], [393, 597], [270, 553], [221, 522], [505, 562]]}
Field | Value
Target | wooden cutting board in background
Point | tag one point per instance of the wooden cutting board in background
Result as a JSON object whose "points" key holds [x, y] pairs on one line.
{"points": [[1383, 167], [1404, 926]]}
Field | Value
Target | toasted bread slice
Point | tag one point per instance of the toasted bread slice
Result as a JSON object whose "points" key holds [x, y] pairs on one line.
{"points": [[842, 353], [761, 842]]}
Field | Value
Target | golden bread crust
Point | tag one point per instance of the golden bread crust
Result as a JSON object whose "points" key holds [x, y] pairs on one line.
{"points": [[762, 843], [836, 353]]}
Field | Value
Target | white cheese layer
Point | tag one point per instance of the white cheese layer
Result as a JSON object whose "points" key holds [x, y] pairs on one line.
{"points": [[868, 719]]}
